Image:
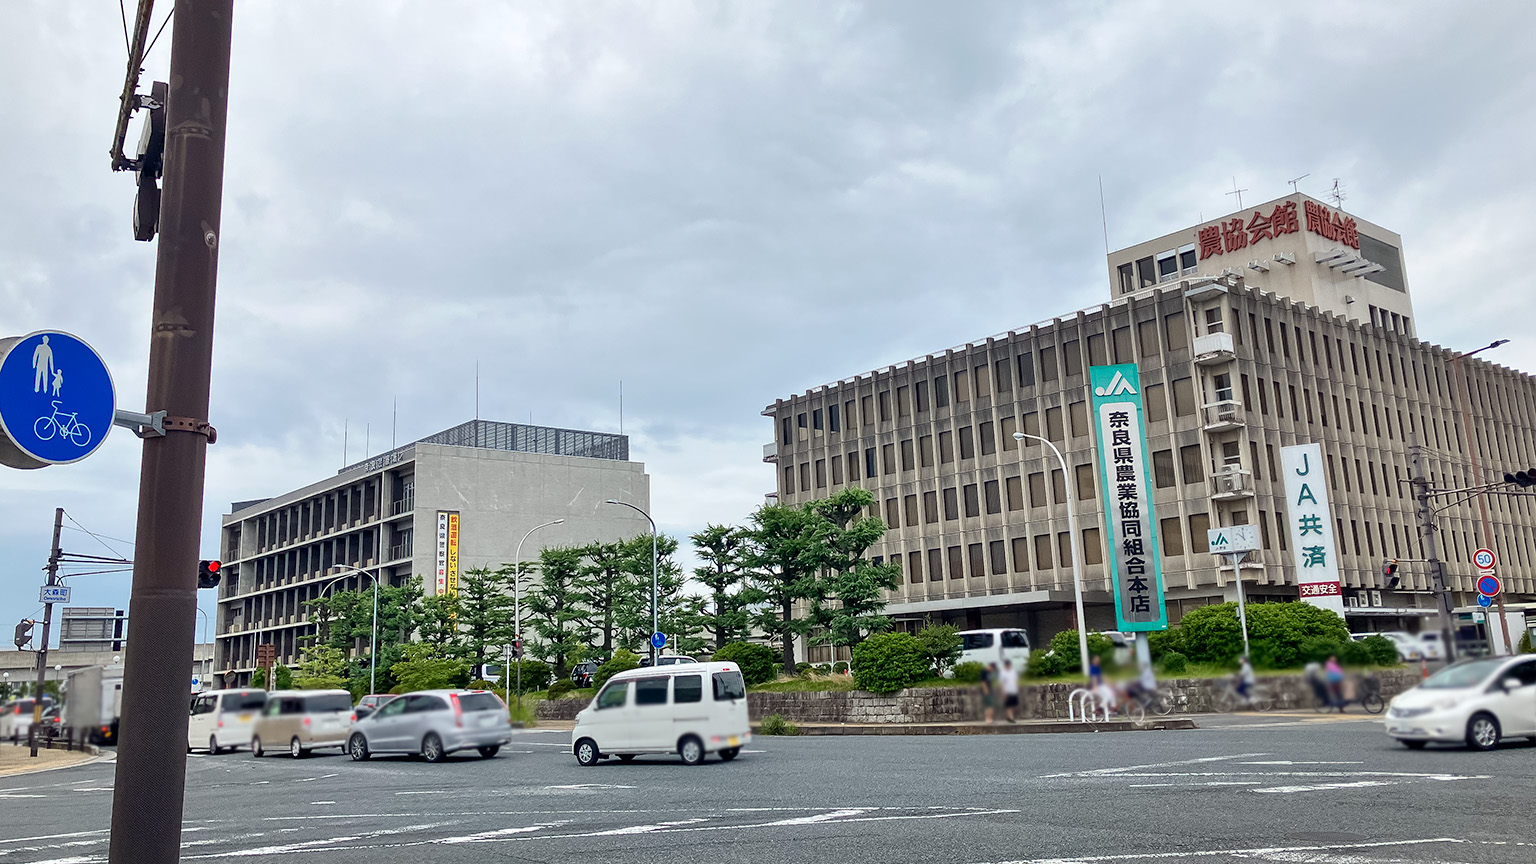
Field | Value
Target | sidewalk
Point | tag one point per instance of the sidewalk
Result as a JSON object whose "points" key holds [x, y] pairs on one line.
{"points": [[17, 759], [977, 727]]}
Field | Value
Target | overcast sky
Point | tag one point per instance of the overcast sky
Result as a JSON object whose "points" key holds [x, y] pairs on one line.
{"points": [[720, 204]]}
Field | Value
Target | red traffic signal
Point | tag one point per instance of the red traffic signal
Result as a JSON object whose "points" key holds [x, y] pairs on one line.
{"points": [[207, 574]]}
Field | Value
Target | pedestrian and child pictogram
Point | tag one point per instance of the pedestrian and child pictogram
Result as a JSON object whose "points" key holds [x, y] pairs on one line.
{"points": [[57, 399]]}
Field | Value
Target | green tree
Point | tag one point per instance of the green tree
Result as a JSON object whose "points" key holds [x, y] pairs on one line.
{"points": [[323, 668], [722, 550], [622, 659], [424, 667], [612, 589], [635, 619], [485, 613], [345, 620], [557, 607], [439, 625], [856, 583], [259, 679], [941, 645], [282, 678], [788, 547]]}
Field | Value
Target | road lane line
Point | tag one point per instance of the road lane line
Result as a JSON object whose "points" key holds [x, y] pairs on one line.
{"points": [[1099, 772], [501, 832], [1212, 853]]}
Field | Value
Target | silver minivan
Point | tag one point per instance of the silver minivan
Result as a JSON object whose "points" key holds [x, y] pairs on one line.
{"points": [[300, 721], [433, 723]]}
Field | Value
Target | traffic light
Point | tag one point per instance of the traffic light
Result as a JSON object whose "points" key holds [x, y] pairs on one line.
{"points": [[1390, 572], [207, 574], [517, 649], [150, 164], [23, 632], [1524, 479]]}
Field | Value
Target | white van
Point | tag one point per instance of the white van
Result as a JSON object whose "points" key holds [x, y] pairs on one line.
{"points": [[224, 719], [690, 709], [994, 646]]}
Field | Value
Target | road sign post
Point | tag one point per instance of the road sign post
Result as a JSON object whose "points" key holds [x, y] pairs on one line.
{"points": [[1234, 542], [1485, 561], [658, 641]]}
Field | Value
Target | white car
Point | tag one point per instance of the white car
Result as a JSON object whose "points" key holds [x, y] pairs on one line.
{"points": [[1479, 701], [1431, 645], [994, 646], [1409, 648], [691, 709]]}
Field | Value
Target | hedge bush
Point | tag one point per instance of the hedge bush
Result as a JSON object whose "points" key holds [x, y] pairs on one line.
{"points": [[840, 668], [1383, 650], [775, 724], [560, 688], [1356, 654], [1160, 642], [1064, 647], [941, 645], [888, 662], [824, 668], [803, 669], [969, 672], [623, 659], [1211, 634], [1044, 665], [1174, 663], [759, 663]]}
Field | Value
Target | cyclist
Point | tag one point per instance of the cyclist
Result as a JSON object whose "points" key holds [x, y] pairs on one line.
{"points": [[1245, 679]]}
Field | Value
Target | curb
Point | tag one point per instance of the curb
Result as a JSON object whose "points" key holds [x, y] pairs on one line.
{"points": [[1065, 726], [94, 759]]}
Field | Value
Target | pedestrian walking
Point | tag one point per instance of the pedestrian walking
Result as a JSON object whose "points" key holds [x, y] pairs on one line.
{"points": [[1010, 691], [1095, 672], [989, 694], [1245, 679], [1333, 673]]}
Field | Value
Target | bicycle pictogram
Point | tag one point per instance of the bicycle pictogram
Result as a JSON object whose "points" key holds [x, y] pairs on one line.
{"points": [[63, 424]]}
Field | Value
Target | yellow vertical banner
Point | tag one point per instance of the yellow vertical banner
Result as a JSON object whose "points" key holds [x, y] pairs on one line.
{"points": [[451, 577]]}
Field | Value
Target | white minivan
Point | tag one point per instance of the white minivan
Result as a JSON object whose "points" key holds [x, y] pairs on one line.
{"points": [[994, 646], [224, 719], [690, 709]]}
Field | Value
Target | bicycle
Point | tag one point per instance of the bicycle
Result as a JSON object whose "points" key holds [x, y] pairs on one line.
{"points": [[1369, 698], [1258, 699], [73, 430]]}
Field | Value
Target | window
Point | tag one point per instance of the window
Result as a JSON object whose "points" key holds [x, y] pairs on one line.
{"points": [[1098, 352], [397, 706], [935, 565], [1058, 487], [1043, 552], [962, 386], [1077, 417], [1064, 549], [853, 466], [837, 470], [786, 433], [1146, 333], [941, 392], [1121, 340], [800, 420], [729, 685], [907, 458], [967, 443], [885, 405], [1008, 426], [1190, 463], [867, 410], [1026, 364], [821, 473], [1053, 428], [914, 566], [904, 401], [687, 688], [956, 566], [981, 377], [892, 513], [972, 501], [1155, 403], [988, 438], [805, 476], [869, 463], [920, 392], [951, 504], [909, 504], [1014, 489], [834, 418], [817, 422], [993, 495], [1162, 469], [946, 446], [1021, 554], [1213, 320], [1048, 370], [1173, 328], [978, 562], [1183, 397], [1003, 376], [613, 696], [1072, 357], [1037, 489], [651, 691], [1093, 550], [1199, 525], [1171, 537], [997, 554], [925, 450], [930, 507], [1083, 478]]}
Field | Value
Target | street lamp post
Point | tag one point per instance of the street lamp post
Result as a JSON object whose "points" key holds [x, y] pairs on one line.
{"points": [[373, 642], [655, 615], [1470, 444], [1076, 546], [517, 605], [202, 666]]}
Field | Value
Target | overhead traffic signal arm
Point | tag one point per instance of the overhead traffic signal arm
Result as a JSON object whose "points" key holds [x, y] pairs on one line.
{"points": [[1524, 479], [208, 574]]}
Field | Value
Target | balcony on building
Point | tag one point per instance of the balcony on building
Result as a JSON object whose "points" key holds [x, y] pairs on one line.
{"points": [[771, 451], [1214, 348], [1231, 482], [1222, 414]]}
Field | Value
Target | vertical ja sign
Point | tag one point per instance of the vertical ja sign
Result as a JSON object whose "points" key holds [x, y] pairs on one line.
{"points": [[1134, 562], [1311, 526]]}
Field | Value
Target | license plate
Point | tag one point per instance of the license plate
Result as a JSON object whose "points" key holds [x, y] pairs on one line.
{"points": [[246, 718], [733, 741]]}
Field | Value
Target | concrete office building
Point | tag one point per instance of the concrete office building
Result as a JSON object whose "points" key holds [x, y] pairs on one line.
{"points": [[469, 493], [1229, 375]]}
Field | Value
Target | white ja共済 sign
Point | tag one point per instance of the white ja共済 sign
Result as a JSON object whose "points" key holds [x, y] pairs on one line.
{"points": [[1311, 526]]}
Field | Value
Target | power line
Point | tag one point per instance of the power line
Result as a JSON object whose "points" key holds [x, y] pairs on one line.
{"points": [[97, 537]]}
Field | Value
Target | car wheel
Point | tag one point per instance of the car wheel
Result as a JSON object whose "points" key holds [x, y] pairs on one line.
{"points": [[295, 749], [357, 746], [691, 749], [626, 757], [729, 753], [587, 753], [432, 748], [213, 744], [256, 747], [1482, 732], [488, 752], [1412, 745]]}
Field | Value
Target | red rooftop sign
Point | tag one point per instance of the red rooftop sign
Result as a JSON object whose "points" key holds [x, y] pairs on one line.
{"points": [[1235, 233]]}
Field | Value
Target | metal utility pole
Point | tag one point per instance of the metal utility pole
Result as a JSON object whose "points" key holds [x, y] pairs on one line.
{"points": [[152, 758], [1427, 531], [42, 651], [1469, 442]]}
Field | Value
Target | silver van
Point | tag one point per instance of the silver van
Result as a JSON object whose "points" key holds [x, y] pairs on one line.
{"points": [[433, 723], [302, 720]]}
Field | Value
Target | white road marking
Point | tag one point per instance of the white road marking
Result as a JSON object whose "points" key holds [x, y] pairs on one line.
{"points": [[52, 836], [1289, 762], [425, 792], [546, 744], [590, 786], [492, 835], [261, 782], [1187, 785], [93, 789], [27, 795], [77, 859], [306, 779], [1099, 772], [321, 803], [645, 829], [324, 776], [315, 845], [819, 817], [1236, 853]]}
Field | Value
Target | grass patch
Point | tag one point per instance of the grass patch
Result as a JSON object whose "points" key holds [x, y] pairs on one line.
{"points": [[775, 724], [808, 684]]}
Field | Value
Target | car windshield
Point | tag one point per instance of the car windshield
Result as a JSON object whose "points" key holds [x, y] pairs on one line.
{"points": [[1468, 674], [479, 702], [729, 685], [973, 641]]}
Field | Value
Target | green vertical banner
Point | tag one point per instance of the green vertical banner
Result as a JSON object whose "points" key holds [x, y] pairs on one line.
{"points": [[1135, 561]]}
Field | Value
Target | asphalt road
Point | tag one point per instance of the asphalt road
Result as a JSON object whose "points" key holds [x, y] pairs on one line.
{"points": [[1282, 788]]}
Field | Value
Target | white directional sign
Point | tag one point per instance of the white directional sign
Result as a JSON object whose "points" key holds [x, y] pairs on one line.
{"points": [[54, 594], [1234, 539], [1311, 526]]}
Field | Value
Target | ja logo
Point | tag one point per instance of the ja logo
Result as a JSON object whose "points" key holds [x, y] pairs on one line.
{"points": [[1117, 386]]}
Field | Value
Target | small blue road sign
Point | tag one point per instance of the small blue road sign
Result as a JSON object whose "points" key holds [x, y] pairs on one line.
{"points": [[658, 640], [57, 400], [1484, 600]]}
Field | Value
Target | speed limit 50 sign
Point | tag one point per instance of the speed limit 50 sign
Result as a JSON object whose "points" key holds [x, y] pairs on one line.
{"points": [[1484, 559]]}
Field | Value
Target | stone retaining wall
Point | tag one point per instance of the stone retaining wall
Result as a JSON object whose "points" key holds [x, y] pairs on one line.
{"points": [[954, 704]]}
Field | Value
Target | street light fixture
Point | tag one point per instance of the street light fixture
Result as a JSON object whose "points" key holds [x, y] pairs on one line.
{"points": [[1462, 385], [373, 643], [655, 616], [517, 605], [1076, 545]]}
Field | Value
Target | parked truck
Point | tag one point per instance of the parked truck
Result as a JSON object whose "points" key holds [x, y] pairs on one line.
{"points": [[91, 708]]}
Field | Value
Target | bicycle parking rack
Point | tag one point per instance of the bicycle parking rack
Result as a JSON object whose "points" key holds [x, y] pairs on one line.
{"points": [[1088, 701]]}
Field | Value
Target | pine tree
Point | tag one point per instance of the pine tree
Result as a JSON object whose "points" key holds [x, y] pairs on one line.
{"points": [[721, 549], [788, 546], [857, 584], [557, 608]]}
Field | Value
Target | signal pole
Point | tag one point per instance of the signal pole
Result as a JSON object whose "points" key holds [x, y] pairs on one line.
{"points": [[152, 758], [42, 651], [1427, 531]]}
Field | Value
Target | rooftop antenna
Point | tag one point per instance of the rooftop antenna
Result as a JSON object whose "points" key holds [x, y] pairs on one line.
{"points": [[1293, 183], [344, 441], [1238, 192], [477, 389], [367, 437], [621, 406], [394, 422], [1103, 215], [1336, 195]]}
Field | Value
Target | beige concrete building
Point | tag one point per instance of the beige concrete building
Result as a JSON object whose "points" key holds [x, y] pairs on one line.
{"points": [[429, 510], [1230, 373]]}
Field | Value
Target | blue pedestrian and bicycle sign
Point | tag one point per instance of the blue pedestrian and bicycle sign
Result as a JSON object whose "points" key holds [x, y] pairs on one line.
{"points": [[57, 400], [658, 640]]}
